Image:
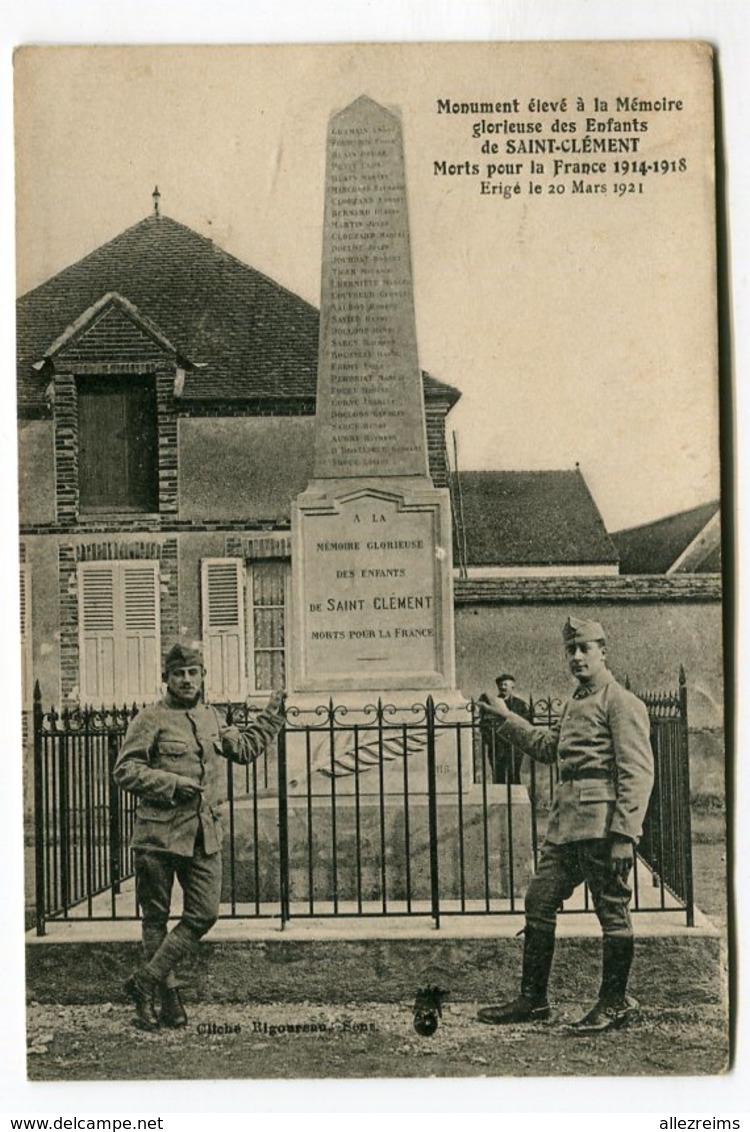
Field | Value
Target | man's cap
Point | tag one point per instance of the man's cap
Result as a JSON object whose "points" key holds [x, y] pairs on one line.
{"points": [[577, 630], [505, 676], [183, 656]]}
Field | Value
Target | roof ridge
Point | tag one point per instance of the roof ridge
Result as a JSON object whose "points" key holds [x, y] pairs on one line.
{"points": [[100, 248], [672, 515], [517, 471], [212, 244]]}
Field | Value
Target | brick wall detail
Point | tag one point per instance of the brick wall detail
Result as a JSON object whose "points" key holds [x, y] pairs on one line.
{"points": [[66, 448], [169, 599], [111, 551], [167, 459], [435, 414], [259, 546]]}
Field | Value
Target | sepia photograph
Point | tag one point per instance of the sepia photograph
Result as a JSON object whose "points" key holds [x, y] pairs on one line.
{"points": [[370, 547]]}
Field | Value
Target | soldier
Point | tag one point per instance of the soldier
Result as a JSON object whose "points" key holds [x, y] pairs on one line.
{"points": [[603, 751], [172, 760]]}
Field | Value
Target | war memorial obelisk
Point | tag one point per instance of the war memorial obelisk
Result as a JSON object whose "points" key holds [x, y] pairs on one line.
{"points": [[371, 535], [372, 566], [372, 602]]}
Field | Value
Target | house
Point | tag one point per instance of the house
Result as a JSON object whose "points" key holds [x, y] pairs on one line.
{"points": [[166, 396], [688, 542], [529, 524]]}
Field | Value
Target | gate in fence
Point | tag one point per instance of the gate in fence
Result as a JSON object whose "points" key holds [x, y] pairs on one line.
{"points": [[387, 811]]}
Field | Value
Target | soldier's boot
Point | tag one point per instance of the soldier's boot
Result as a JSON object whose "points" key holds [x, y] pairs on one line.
{"points": [[141, 988], [172, 1011], [178, 945], [531, 1005], [614, 1008]]}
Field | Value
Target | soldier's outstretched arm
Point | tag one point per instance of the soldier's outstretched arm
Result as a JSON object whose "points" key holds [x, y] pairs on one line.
{"points": [[246, 744], [540, 743]]}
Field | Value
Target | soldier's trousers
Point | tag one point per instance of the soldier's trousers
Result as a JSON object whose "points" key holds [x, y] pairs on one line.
{"points": [[561, 869], [199, 877]]}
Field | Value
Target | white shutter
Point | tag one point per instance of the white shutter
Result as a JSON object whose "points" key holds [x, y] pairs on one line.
{"points": [[119, 631], [139, 662], [26, 636], [97, 586], [223, 628]]}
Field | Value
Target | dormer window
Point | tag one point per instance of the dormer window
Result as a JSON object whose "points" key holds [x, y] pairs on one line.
{"points": [[117, 444]]}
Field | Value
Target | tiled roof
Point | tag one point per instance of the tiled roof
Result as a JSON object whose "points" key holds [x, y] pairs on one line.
{"points": [[546, 518], [653, 547], [254, 340]]}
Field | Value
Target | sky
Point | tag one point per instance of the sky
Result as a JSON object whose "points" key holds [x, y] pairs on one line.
{"points": [[577, 329]]}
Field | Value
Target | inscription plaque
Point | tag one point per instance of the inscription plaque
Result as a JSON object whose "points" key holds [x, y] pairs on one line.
{"points": [[372, 607]]}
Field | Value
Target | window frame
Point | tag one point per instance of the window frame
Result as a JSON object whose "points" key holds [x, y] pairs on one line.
{"points": [[285, 565], [85, 383]]}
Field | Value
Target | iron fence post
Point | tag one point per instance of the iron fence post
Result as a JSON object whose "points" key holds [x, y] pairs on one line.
{"points": [[39, 826], [115, 833], [64, 812], [685, 801], [283, 825], [230, 803], [432, 811]]}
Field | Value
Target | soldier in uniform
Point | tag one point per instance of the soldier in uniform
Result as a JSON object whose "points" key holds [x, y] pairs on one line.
{"points": [[603, 751], [172, 759]]}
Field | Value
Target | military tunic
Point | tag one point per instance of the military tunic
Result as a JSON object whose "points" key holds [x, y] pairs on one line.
{"points": [[603, 752], [168, 745]]}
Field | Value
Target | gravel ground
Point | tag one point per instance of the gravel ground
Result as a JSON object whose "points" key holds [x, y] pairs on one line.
{"points": [[85, 1043], [363, 1040]]}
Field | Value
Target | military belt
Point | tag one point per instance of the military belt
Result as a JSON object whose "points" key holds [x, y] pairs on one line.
{"points": [[571, 774]]}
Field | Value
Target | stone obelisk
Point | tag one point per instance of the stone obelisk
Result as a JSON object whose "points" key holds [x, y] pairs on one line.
{"points": [[371, 557]]}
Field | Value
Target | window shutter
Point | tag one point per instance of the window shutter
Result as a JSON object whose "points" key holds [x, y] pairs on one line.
{"points": [[26, 636], [223, 628], [97, 588], [119, 631], [140, 657]]}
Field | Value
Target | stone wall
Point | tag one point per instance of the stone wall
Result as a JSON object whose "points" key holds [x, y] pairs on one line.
{"points": [[653, 625]]}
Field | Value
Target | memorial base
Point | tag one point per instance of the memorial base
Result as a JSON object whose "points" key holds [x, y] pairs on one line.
{"points": [[359, 738], [381, 850]]}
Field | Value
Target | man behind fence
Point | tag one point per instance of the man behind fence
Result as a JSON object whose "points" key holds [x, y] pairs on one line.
{"points": [[603, 751], [504, 760], [171, 759]]}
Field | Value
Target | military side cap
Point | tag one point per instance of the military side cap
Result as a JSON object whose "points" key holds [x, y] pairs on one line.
{"points": [[183, 656], [576, 630]]}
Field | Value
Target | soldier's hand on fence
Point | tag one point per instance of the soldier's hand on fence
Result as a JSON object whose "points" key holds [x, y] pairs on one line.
{"points": [[621, 855], [231, 741], [185, 791], [493, 705], [275, 702]]}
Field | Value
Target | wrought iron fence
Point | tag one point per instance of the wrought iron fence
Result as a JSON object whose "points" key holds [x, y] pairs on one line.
{"points": [[383, 810], [666, 844]]}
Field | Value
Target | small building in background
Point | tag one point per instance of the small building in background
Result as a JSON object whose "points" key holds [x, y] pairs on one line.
{"points": [[686, 543]]}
